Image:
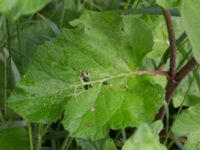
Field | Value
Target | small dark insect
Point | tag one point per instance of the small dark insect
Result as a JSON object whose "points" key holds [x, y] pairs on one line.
{"points": [[85, 77], [105, 82]]}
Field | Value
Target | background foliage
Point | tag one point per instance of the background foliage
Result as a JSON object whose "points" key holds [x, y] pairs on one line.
{"points": [[68, 75]]}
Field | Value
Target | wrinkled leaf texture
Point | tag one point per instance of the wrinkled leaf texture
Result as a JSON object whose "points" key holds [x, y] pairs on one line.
{"points": [[107, 48]]}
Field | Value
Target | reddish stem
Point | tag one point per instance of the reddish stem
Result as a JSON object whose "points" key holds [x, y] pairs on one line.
{"points": [[172, 42], [171, 86], [175, 78], [153, 72]]}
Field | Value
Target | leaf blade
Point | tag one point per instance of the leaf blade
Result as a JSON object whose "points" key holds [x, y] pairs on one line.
{"points": [[105, 50]]}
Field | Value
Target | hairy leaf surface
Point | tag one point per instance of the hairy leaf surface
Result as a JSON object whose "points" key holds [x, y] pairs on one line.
{"points": [[89, 73]]}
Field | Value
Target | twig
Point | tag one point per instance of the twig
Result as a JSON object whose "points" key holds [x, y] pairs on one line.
{"points": [[39, 136], [172, 41], [30, 136], [175, 78], [171, 86], [41, 16], [172, 70]]}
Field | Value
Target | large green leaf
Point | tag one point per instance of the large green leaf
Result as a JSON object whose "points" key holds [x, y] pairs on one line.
{"points": [[191, 23], [16, 8], [145, 138], [187, 124], [107, 49], [13, 139]]}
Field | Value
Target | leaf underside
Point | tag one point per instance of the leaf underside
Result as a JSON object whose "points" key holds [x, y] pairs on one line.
{"points": [[88, 73]]}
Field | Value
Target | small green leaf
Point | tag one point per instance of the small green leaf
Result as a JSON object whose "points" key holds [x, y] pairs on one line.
{"points": [[105, 144], [16, 8], [187, 124], [191, 23], [89, 72], [145, 138], [13, 139], [156, 127]]}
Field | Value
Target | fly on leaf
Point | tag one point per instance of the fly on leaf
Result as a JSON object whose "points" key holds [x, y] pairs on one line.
{"points": [[85, 78]]}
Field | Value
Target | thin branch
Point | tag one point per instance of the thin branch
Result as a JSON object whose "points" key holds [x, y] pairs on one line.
{"points": [[171, 86], [41, 16], [39, 136], [175, 78], [30, 136], [172, 41], [186, 69], [152, 72]]}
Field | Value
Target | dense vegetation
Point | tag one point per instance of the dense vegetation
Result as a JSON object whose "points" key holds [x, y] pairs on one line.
{"points": [[99, 74]]}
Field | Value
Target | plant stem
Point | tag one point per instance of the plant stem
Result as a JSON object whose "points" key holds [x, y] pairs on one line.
{"points": [[7, 65], [5, 85], [186, 69], [1, 117], [123, 131], [172, 41], [39, 137], [69, 143], [9, 45], [19, 46], [53, 144], [127, 4], [171, 86], [175, 79], [30, 136], [180, 108], [62, 14], [65, 143], [166, 108], [152, 72]]}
